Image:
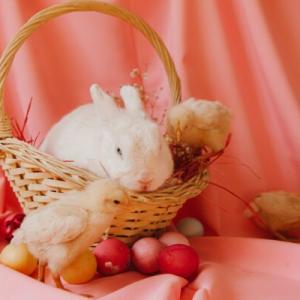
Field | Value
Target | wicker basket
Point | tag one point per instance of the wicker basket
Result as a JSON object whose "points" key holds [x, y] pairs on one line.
{"points": [[38, 178]]}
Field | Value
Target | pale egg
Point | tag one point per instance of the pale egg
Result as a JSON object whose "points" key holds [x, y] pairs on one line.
{"points": [[172, 237], [190, 227]]}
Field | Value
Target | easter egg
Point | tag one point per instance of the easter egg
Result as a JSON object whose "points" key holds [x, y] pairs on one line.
{"points": [[181, 260], [81, 270], [145, 254], [190, 227], [173, 237], [18, 258], [113, 256]]}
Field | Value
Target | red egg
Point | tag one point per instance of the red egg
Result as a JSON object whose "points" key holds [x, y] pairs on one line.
{"points": [[145, 254], [181, 260], [113, 256]]}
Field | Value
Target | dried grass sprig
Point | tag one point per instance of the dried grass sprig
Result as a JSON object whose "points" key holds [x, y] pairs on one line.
{"points": [[19, 131]]}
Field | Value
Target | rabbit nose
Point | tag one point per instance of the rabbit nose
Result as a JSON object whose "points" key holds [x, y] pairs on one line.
{"points": [[145, 181], [144, 184]]}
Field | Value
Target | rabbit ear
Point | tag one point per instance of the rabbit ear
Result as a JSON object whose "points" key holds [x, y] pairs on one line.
{"points": [[132, 100], [104, 103]]}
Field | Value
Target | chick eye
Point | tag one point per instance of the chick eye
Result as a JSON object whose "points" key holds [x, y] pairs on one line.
{"points": [[116, 202], [119, 151]]}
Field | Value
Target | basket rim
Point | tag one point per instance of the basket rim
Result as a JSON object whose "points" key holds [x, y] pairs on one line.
{"points": [[80, 177]]}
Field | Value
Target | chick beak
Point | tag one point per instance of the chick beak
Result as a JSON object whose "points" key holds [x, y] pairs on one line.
{"points": [[125, 201]]}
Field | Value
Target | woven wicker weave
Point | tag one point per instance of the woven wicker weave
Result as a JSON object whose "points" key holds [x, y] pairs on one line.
{"points": [[38, 178]]}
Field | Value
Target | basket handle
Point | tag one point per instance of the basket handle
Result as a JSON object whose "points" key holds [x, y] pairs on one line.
{"points": [[82, 5]]}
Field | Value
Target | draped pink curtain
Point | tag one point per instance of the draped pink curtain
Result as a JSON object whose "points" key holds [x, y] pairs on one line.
{"points": [[245, 53]]}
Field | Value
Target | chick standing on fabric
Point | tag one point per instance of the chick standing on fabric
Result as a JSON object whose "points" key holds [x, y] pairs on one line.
{"points": [[199, 123], [59, 232]]}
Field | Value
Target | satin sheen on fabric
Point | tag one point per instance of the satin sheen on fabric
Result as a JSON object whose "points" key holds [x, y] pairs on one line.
{"points": [[243, 53]]}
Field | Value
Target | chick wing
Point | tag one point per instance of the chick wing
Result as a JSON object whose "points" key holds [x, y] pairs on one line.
{"points": [[54, 224]]}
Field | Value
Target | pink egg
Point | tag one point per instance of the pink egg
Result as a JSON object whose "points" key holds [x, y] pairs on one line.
{"points": [[173, 237], [113, 256], [179, 260], [145, 254]]}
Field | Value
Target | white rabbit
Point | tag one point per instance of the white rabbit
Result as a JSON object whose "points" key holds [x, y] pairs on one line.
{"points": [[120, 143]]}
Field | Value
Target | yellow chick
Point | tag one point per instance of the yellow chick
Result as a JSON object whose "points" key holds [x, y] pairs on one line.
{"points": [[279, 211], [61, 231], [199, 123]]}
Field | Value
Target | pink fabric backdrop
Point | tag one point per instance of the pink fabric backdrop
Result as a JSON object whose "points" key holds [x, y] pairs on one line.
{"points": [[243, 53]]}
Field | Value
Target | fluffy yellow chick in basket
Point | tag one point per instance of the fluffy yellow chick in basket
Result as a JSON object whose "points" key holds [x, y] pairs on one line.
{"points": [[199, 123], [63, 230]]}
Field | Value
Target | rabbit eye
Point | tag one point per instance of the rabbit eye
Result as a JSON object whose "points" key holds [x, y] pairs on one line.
{"points": [[119, 151]]}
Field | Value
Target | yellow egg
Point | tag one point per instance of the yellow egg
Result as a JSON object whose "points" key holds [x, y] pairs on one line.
{"points": [[81, 270], [18, 258]]}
